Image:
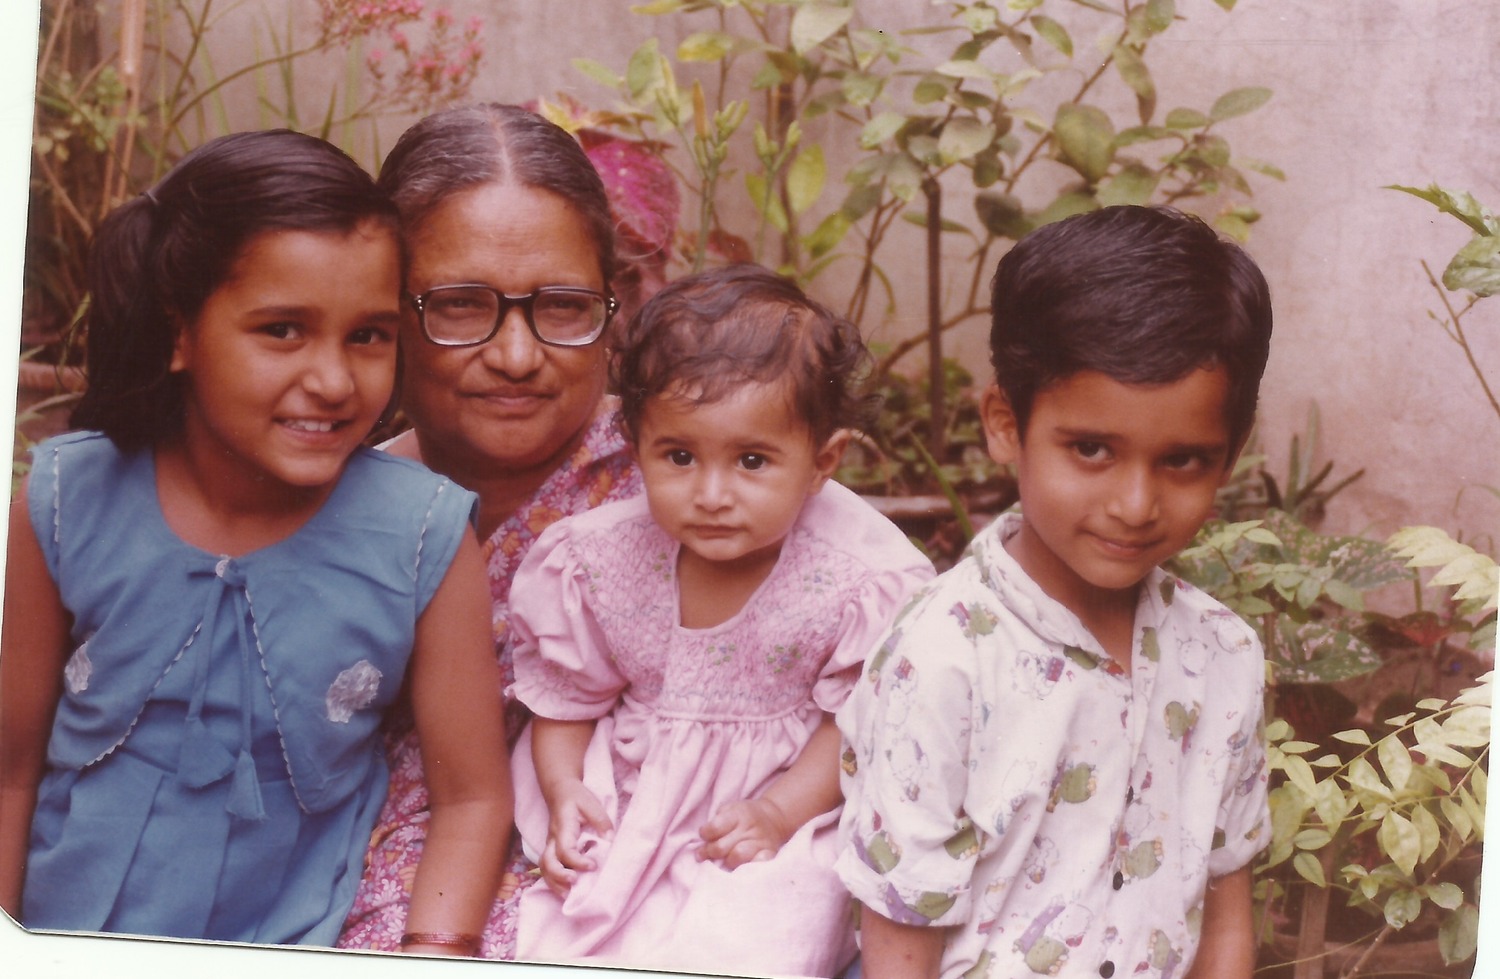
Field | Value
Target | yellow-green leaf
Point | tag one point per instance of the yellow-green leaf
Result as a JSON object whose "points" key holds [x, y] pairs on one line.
{"points": [[1085, 139], [1053, 33], [962, 138], [879, 129], [705, 46], [814, 23], [1309, 868], [1458, 937], [1395, 760], [804, 179], [1399, 840], [1428, 831], [1238, 103]]}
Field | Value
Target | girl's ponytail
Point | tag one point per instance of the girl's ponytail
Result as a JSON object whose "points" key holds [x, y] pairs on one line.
{"points": [[132, 396]]}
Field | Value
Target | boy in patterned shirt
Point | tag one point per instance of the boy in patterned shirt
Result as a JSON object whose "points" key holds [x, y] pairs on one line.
{"points": [[1054, 763]]}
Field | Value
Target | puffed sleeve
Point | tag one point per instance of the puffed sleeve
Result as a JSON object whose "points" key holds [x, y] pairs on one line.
{"points": [[563, 665], [907, 847], [863, 621], [889, 570]]}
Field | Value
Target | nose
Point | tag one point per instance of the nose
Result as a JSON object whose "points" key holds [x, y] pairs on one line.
{"points": [[711, 491], [1136, 500], [513, 351], [329, 376]]}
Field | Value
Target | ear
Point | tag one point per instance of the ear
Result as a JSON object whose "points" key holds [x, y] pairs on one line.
{"points": [[181, 345], [1002, 435], [828, 457]]}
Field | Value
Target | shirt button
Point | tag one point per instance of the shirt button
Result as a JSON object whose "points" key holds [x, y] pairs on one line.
{"points": [[1107, 969], [1119, 880]]}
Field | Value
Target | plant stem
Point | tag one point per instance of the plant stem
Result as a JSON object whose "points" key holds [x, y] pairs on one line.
{"points": [[936, 393], [1456, 320]]}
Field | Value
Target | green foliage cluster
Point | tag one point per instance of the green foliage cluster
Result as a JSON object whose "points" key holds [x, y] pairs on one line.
{"points": [[970, 98], [1389, 819]]}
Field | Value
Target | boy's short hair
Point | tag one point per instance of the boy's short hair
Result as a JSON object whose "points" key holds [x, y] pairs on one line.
{"points": [[1143, 295]]}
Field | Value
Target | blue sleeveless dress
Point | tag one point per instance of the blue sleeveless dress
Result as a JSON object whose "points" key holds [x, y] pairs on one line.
{"points": [[215, 767]]}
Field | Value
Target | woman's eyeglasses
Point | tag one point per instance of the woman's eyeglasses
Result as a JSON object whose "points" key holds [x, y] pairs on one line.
{"points": [[465, 315]]}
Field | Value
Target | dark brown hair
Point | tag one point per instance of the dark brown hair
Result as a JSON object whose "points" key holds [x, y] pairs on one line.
{"points": [[705, 334]]}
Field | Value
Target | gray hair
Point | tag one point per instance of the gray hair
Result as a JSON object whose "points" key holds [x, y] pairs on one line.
{"points": [[456, 149]]}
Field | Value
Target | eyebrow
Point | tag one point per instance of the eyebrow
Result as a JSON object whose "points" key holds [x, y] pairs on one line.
{"points": [[1099, 435]]}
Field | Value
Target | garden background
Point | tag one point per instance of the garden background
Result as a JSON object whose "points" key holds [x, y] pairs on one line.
{"points": [[1363, 96]]}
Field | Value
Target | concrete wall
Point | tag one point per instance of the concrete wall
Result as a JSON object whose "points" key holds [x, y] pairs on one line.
{"points": [[1366, 94]]}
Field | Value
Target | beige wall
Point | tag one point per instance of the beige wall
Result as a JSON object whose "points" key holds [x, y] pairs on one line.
{"points": [[1366, 94]]}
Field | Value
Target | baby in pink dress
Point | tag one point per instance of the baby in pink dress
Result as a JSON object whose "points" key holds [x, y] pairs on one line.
{"points": [[684, 652]]}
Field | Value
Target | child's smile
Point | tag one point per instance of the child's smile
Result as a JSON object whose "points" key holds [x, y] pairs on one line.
{"points": [[1114, 478]]}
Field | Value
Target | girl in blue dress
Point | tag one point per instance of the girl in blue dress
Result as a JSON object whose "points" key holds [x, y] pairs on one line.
{"points": [[213, 591]]}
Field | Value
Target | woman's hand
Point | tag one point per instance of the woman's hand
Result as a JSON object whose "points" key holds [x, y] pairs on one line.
{"points": [[744, 832], [572, 808]]}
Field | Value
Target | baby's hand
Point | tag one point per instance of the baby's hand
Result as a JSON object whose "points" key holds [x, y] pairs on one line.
{"points": [[573, 808], [745, 831]]}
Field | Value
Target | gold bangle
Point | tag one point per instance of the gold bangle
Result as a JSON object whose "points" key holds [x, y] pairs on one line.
{"points": [[447, 938]]}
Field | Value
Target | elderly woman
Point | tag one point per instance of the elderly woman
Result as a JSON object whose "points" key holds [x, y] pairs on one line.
{"points": [[509, 245]]}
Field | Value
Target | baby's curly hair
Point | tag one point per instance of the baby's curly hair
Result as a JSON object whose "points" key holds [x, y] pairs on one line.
{"points": [[705, 334]]}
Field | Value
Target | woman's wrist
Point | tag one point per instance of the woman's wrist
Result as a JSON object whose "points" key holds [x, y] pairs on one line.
{"points": [[440, 943]]}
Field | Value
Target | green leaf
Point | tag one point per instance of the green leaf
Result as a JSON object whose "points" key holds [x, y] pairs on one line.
{"points": [[805, 177], [1401, 908], [919, 218], [860, 201], [814, 23], [1002, 215], [1301, 775], [1159, 14], [880, 129], [766, 201], [1085, 139], [1346, 595], [1136, 75], [827, 235], [705, 46], [964, 68], [1446, 895], [932, 88], [598, 72], [1238, 102], [1185, 119], [1066, 205], [1363, 777], [1476, 267], [1053, 33], [1395, 760], [1458, 937], [1398, 839], [641, 70], [1313, 839], [861, 89], [962, 138], [1460, 204], [1353, 736], [1428, 831], [1310, 869], [658, 7], [1132, 184]]}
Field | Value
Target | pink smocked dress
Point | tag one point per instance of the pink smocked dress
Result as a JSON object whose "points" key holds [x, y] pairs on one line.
{"points": [[689, 720]]}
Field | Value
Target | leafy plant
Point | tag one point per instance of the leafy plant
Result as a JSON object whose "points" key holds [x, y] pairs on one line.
{"points": [[1303, 591], [1388, 821], [1303, 491], [113, 114], [1475, 269], [916, 116]]}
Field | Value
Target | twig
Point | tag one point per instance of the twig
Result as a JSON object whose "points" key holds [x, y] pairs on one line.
{"points": [[1456, 320]]}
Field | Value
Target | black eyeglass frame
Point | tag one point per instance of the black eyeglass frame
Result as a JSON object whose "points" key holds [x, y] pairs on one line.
{"points": [[505, 303]]}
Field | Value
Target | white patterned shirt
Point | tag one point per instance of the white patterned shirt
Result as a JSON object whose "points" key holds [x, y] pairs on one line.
{"points": [[1007, 779]]}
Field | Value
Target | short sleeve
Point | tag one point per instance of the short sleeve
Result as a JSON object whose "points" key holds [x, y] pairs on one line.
{"points": [[1242, 827], [864, 620], [907, 848], [450, 514], [43, 501], [563, 665]]}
